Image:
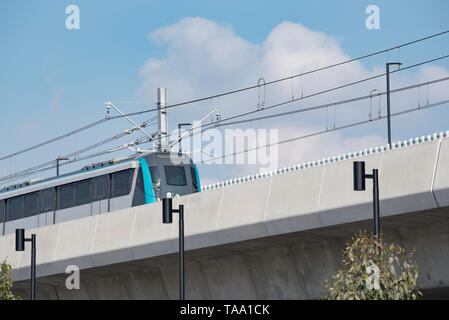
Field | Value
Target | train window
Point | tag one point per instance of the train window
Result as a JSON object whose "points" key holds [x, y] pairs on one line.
{"points": [[121, 183], [175, 175], [82, 192], [2, 210], [194, 178], [30, 205], [153, 174], [14, 208], [65, 196]]}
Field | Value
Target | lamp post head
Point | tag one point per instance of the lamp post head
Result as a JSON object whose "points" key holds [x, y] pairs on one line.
{"points": [[359, 175], [394, 63], [388, 64], [20, 239], [167, 210]]}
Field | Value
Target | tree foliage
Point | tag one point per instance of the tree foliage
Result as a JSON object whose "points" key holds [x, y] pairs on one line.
{"points": [[6, 282], [373, 270]]}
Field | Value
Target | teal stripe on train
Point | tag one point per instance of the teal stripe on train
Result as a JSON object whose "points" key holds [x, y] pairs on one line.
{"points": [[197, 179], [147, 183]]}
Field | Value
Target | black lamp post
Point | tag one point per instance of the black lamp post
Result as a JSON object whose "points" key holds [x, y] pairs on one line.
{"points": [[359, 185], [167, 217], [388, 64], [20, 246]]}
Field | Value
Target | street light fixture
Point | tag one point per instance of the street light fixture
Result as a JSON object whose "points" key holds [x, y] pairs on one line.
{"points": [[167, 217], [57, 164], [20, 246], [359, 185], [388, 64]]}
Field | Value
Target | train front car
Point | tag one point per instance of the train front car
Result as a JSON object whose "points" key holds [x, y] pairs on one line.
{"points": [[163, 172]]}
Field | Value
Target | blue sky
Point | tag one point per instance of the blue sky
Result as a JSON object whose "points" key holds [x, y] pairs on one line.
{"points": [[53, 79]]}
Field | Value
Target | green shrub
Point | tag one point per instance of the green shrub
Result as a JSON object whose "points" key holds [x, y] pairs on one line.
{"points": [[6, 282], [373, 270]]}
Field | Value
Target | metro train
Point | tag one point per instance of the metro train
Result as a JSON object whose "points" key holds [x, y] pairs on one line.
{"points": [[96, 189]]}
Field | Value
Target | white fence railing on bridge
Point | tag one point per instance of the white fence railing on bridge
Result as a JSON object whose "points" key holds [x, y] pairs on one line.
{"points": [[333, 159]]}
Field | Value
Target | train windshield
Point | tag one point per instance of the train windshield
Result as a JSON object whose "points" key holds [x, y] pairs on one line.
{"points": [[175, 175]]}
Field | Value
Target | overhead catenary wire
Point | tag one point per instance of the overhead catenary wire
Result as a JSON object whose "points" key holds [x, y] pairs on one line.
{"points": [[221, 94], [65, 135], [222, 122], [303, 96], [90, 125], [353, 124], [329, 90], [105, 141], [110, 104], [327, 105], [289, 101], [139, 141], [35, 169]]}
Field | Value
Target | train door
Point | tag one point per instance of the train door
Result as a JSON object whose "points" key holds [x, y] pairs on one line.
{"points": [[46, 206], [100, 194]]}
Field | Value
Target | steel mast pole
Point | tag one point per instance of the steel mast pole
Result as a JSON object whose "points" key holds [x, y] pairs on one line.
{"points": [[162, 118], [388, 64], [388, 105], [181, 253], [376, 202], [33, 267]]}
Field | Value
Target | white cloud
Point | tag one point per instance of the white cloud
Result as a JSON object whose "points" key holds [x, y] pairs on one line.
{"points": [[292, 48], [201, 57]]}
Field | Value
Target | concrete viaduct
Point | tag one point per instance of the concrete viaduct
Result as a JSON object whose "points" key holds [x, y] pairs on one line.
{"points": [[272, 236]]}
